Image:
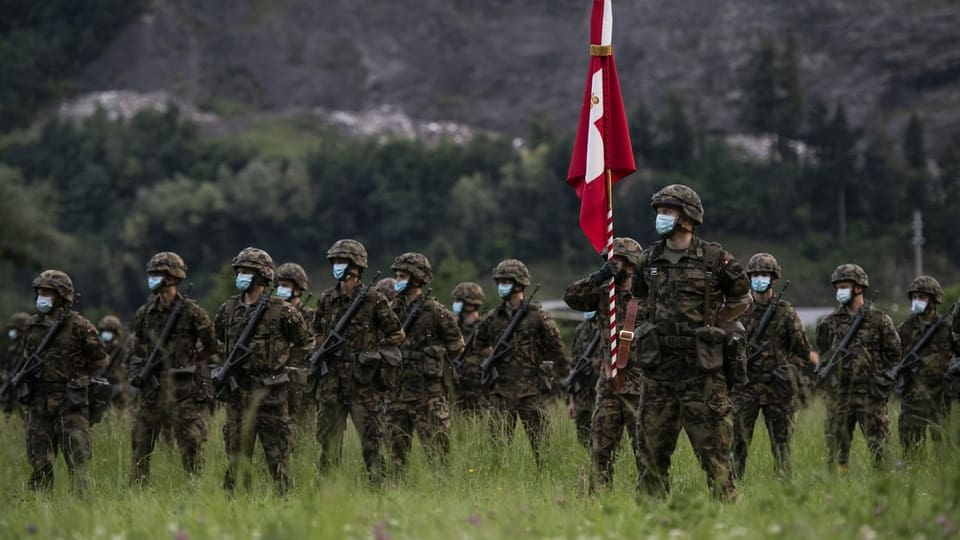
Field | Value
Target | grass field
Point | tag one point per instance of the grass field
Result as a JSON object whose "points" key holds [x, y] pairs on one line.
{"points": [[487, 492]]}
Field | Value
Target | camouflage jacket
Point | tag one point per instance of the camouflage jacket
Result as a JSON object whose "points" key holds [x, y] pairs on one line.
{"points": [[582, 337], [119, 352], [935, 356], [76, 351], [432, 343], [784, 341], [280, 329], [876, 347], [536, 344], [581, 295], [470, 371], [298, 354], [675, 286], [192, 327]]}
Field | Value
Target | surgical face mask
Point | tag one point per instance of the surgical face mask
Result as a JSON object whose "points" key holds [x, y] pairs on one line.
{"points": [[665, 224], [400, 286], [339, 269], [12, 333], [457, 307], [243, 281], [154, 282], [285, 292], [106, 336], [918, 306], [504, 289], [760, 283], [589, 315], [844, 295], [44, 304]]}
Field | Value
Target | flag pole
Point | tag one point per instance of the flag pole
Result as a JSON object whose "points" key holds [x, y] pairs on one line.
{"points": [[612, 312]]}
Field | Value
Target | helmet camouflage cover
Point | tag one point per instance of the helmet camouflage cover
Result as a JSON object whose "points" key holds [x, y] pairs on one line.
{"points": [[19, 321], [850, 272], [167, 262], [681, 197], [764, 262], [57, 281], [293, 272], [348, 249], [927, 285], [109, 322], [512, 269], [415, 264], [256, 259], [628, 248], [386, 287], [469, 292]]}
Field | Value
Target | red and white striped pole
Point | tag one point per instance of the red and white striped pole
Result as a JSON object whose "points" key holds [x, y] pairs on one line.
{"points": [[612, 313]]}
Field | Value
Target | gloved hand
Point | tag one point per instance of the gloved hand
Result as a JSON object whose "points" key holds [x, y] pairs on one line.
{"points": [[605, 272]]}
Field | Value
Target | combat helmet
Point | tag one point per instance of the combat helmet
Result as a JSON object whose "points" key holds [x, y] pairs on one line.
{"points": [[348, 249], [512, 269], [628, 248], [293, 272], [109, 322], [927, 285], [415, 264], [469, 292], [850, 272], [681, 197], [57, 281], [386, 287], [764, 262], [167, 262], [257, 259], [19, 321]]}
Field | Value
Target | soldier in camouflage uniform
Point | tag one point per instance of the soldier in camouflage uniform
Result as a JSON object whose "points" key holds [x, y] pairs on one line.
{"points": [[179, 403], [859, 389], [119, 349], [359, 373], [259, 407], [16, 331], [924, 401], [57, 405], [419, 403], [386, 287], [613, 410], [468, 298], [690, 286], [772, 370], [539, 357], [580, 404], [291, 284]]}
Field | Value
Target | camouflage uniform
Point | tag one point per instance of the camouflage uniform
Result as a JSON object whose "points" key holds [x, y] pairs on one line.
{"points": [[119, 348], [857, 398], [772, 374], [419, 403], [16, 331], [586, 398], [612, 412], [924, 401], [179, 404], [685, 387], [524, 386], [259, 407], [57, 406], [471, 396], [360, 376], [300, 400]]}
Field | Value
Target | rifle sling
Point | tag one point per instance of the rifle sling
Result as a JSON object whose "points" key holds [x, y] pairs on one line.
{"points": [[626, 334]]}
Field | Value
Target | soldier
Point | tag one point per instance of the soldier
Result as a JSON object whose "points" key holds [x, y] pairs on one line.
{"points": [[179, 403], [359, 374], [538, 356], [258, 408], [924, 401], [419, 403], [291, 284], [690, 286], [468, 298], [119, 349], [775, 362], [386, 287], [57, 406], [858, 389], [613, 410], [580, 404], [16, 331]]}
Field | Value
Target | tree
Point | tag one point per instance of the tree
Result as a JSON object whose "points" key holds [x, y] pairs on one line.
{"points": [[759, 106]]}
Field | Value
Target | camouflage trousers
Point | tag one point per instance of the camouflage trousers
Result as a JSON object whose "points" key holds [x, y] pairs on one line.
{"points": [[700, 407], [612, 414], [366, 411], [530, 410], [780, 420], [186, 419], [301, 405], [471, 397], [844, 411], [429, 418], [583, 405], [921, 408], [52, 429], [258, 414]]}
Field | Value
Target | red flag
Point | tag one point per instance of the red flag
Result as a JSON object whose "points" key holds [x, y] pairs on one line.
{"points": [[603, 140]]}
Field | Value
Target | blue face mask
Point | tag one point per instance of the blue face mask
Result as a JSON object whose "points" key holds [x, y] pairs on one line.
{"points": [[457, 307], [844, 295], [918, 306], [589, 315], [12, 333], [106, 336], [400, 286], [154, 282], [284, 292], [760, 283], [44, 304], [504, 289], [243, 281], [339, 269], [665, 224]]}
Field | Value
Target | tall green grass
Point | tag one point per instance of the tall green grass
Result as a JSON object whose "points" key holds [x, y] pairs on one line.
{"points": [[487, 492]]}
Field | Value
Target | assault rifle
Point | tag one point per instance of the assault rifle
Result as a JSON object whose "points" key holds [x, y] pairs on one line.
{"points": [[146, 379], [842, 353], [754, 348], [462, 357], [414, 312], [325, 356], [584, 364], [224, 381], [503, 348], [908, 364], [9, 394]]}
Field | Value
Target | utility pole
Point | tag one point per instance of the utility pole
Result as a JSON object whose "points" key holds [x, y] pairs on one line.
{"points": [[917, 242]]}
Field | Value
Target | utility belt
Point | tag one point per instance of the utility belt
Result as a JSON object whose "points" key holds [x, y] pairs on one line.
{"points": [[514, 371], [411, 354], [49, 387], [677, 342]]}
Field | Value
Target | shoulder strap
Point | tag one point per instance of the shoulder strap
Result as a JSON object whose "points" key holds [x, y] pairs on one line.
{"points": [[711, 260], [626, 333]]}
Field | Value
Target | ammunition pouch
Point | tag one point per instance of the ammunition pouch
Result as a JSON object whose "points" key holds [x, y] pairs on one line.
{"points": [[434, 360], [75, 392], [785, 379], [880, 386], [648, 344], [100, 393], [276, 389], [710, 341], [297, 375]]}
